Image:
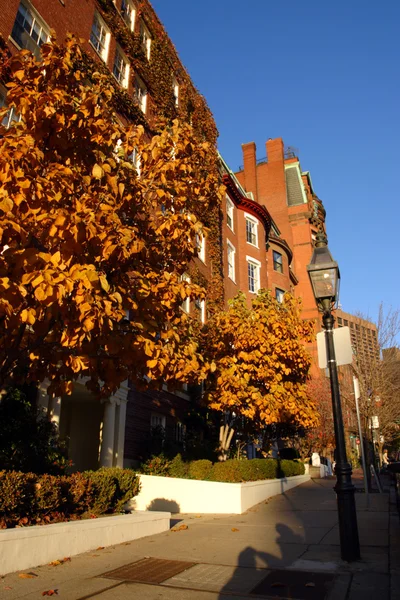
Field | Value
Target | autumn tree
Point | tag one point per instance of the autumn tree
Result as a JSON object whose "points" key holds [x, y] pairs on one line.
{"points": [[321, 438], [93, 245], [261, 362]]}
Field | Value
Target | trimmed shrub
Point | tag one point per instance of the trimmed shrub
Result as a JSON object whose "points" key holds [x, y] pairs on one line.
{"points": [[178, 468], [28, 499], [200, 469], [156, 465]]}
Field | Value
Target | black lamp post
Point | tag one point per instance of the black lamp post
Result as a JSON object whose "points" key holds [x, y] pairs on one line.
{"points": [[324, 276]]}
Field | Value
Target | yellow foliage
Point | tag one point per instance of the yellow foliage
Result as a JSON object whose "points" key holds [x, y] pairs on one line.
{"points": [[86, 239]]}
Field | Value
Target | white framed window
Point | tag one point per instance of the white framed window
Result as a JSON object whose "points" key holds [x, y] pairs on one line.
{"points": [[278, 261], [201, 247], [203, 314], [251, 230], [100, 36], [135, 160], [121, 68], [175, 88], [253, 274], [128, 12], [141, 94], [231, 260], [145, 39], [29, 30], [157, 421], [229, 212], [279, 294], [11, 115], [186, 303]]}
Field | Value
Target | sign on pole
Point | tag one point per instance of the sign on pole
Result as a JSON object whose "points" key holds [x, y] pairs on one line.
{"points": [[343, 349]]}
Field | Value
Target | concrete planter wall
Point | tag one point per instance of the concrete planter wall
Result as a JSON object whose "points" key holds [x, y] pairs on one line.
{"points": [[189, 496], [26, 547]]}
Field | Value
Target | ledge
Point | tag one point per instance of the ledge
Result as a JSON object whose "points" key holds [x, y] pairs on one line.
{"points": [[27, 547]]}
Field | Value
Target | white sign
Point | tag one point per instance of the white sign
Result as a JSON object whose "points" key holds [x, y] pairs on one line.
{"points": [[343, 349]]}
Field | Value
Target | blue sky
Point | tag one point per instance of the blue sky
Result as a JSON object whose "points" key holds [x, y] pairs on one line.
{"points": [[324, 76]]}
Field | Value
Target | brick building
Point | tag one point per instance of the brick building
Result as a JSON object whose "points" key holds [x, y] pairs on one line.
{"points": [[269, 218], [124, 40], [278, 183], [363, 335]]}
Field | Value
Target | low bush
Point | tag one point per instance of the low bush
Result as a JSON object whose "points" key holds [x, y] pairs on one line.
{"points": [[28, 499], [233, 470]]}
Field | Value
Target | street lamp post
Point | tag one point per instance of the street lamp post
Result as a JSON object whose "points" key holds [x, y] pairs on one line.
{"points": [[324, 276]]}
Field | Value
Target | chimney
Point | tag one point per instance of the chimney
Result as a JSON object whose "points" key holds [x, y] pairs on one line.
{"points": [[275, 150], [249, 162]]}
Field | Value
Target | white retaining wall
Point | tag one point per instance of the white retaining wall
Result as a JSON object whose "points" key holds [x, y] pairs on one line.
{"points": [[190, 496], [26, 547]]}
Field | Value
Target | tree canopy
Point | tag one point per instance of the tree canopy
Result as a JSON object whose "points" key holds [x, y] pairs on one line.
{"points": [[98, 221], [261, 362]]}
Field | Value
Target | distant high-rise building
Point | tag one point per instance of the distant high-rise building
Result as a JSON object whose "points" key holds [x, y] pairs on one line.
{"points": [[363, 334]]}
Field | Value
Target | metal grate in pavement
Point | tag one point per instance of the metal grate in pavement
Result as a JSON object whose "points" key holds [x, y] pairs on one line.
{"points": [[301, 585], [149, 570]]}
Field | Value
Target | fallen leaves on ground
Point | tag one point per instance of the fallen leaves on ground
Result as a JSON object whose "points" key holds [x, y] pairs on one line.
{"points": [[234, 529], [180, 528], [55, 563], [27, 575], [50, 593], [100, 548], [8, 587]]}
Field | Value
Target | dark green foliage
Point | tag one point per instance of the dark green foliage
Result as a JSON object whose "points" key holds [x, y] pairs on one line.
{"points": [[28, 499], [233, 470], [28, 440], [178, 468]]}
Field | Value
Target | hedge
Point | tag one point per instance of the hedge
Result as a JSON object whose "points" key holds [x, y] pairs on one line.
{"points": [[29, 499], [233, 470]]}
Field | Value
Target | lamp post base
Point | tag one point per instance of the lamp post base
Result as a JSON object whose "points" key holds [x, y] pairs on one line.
{"points": [[348, 529]]}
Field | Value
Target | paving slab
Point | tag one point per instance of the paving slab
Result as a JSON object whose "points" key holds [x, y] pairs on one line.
{"points": [[218, 578]]}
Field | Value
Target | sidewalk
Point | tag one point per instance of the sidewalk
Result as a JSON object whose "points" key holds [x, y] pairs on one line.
{"points": [[292, 540]]}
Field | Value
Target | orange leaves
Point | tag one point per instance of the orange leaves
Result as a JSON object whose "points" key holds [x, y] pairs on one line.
{"points": [[86, 238], [261, 362]]}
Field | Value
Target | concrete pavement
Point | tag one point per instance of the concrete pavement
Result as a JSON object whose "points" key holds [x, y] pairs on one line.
{"points": [[292, 540]]}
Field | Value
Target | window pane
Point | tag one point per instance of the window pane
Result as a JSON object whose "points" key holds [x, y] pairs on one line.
{"points": [[251, 235], [278, 263]]}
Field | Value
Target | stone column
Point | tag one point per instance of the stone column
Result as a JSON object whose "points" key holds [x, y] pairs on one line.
{"points": [[119, 462], [107, 441]]}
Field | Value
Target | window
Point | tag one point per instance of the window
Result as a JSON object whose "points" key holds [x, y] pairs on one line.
{"points": [[186, 303], [100, 36], [231, 261], [11, 114], [29, 31], [203, 311], [157, 421], [141, 94], [278, 262], [346, 323], [128, 13], [201, 246], [253, 272], [121, 68], [229, 212], [180, 432], [279, 294], [175, 88], [135, 160], [339, 320], [251, 231], [145, 40]]}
